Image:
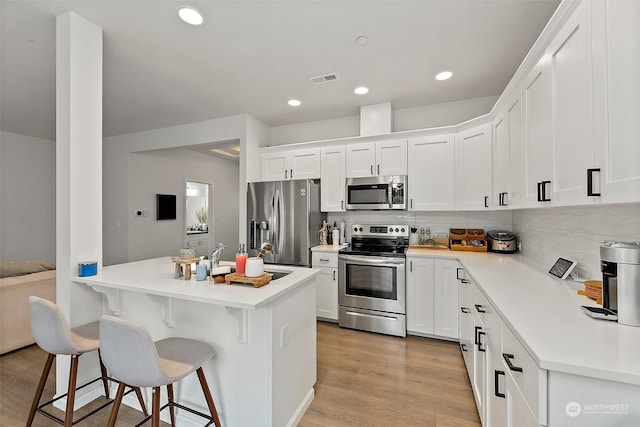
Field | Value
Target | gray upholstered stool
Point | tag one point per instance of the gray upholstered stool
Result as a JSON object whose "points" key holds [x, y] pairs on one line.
{"points": [[132, 357], [52, 333]]}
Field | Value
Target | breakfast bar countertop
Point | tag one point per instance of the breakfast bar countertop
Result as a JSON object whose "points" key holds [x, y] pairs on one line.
{"points": [[156, 277]]}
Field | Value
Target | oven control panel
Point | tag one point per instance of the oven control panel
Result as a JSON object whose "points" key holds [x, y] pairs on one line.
{"points": [[380, 230]]}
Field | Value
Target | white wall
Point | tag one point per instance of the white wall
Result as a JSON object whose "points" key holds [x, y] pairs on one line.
{"points": [[27, 198], [165, 171], [575, 233], [404, 119]]}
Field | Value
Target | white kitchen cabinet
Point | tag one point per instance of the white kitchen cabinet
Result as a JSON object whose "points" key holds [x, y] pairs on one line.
{"points": [[445, 306], [332, 179], [509, 157], [432, 297], [293, 164], [431, 164], [616, 100], [473, 166], [379, 158], [538, 122], [327, 284], [569, 55], [420, 295]]}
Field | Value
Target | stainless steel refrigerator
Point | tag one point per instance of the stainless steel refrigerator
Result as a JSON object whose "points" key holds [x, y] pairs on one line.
{"points": [[287, 215]]}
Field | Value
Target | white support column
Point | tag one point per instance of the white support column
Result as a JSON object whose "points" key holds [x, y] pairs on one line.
{"points": [[78, 170]]}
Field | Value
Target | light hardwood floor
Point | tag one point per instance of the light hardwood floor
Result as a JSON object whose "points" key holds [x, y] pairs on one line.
{"points": [[364, 379]]}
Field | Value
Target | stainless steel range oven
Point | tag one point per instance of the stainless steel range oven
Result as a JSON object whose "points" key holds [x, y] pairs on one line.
{"points": [[371, 282]]}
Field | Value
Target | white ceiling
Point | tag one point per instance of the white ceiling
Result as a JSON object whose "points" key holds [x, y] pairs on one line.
{"points": [[252, 56]]}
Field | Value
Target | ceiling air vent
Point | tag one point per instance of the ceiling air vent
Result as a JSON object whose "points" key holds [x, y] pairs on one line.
{"points": [[325, 78]]}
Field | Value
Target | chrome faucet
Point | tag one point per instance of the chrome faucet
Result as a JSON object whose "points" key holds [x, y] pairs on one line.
{"points": [[215, 255]]}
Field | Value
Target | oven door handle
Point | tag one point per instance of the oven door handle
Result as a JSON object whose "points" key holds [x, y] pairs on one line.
{"points": [[371, 260]]}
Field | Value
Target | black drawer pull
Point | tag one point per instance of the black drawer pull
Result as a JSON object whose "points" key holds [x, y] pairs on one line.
{"points": [[458, 270], [496, 383], [486, 201], [544, 191], [465, 310], [463, 347], [479, 308], [507, 358], [590, 192], [480, 335]]}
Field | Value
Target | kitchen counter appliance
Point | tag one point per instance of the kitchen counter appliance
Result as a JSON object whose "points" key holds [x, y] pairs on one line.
{"points": [[377, 193], [502, 241], [620, 265], [287, 215], [371, 279]]}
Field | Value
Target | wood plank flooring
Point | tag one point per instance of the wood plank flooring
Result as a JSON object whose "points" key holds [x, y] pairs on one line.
{"points": [[363, 379]]}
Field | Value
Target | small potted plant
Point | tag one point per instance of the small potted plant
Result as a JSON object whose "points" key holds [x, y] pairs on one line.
{"points": [[201, 215]]}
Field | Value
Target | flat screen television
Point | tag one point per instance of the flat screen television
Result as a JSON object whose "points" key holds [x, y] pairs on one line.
{"points": [[165, 206]]}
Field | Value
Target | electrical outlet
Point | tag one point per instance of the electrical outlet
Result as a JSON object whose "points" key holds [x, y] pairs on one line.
{"points": [[519, 247]]}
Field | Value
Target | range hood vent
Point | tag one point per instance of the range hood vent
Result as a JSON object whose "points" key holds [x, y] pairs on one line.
{"points": [[325, 78]]}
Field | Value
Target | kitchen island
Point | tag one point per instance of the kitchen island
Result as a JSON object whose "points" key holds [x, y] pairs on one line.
{"points": [[264, 338]]}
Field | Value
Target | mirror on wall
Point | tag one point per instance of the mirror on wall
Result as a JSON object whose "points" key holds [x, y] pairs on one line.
{"points": [[198, 217]]}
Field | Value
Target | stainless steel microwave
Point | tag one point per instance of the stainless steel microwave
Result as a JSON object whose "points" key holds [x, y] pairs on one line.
{"points": [[377, 193]]}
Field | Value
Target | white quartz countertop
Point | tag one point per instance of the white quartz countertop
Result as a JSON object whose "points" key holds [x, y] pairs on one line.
{"points": [[156, 277], [544, 313]]}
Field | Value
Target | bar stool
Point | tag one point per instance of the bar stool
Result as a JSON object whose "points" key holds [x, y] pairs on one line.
{"points": [[132, 357], [52, 333]]}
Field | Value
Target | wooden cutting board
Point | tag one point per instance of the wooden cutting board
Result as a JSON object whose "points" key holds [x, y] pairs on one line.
{"points": [[257, 282]]}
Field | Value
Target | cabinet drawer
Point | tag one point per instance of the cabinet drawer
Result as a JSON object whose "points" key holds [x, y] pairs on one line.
{"points": [[530, 380], [324, 259]]}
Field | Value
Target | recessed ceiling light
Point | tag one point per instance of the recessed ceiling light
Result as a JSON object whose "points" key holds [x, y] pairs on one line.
{"points": [[190, 15], [362, 40], [361, 90], [445, 75], [294, 103]]}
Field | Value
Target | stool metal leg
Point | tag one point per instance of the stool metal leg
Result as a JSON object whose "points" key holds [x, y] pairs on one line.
{"points": [[116, 405], [172, 411], [40, 389], [207, 396], [71, 391]]}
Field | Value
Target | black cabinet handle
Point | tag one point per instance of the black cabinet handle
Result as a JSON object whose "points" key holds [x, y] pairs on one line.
{"points": [[458, 270], [371, 170], [539, 191], [479, 308], [480, 335], [411, 203], [465, 310], [291, 173], [590, 192], [342, 204], [502, 199], [475, 334], [463, 347], [486, 201], [378, 169], [411, 266], [334, 275], [285, 174], [507, 358], [496, 383], [543, 184]]}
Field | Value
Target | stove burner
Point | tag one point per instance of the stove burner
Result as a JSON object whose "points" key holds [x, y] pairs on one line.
{"points": [[379, 240]]}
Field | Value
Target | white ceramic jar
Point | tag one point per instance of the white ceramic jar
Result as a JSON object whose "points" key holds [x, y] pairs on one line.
{"points": [[255, 267]]}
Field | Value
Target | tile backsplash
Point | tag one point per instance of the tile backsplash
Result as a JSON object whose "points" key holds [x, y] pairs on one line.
{"points": [[435, 221], [575, 233]]}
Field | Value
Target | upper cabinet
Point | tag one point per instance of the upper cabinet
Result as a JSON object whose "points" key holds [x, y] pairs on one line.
{"points": [[292, 164], [473, 169], [431, 167], [376, 159], [332, 178], [616, 101]]}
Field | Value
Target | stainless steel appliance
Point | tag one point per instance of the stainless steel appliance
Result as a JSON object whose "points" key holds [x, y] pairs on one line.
{"points": [[287, 215], [502, 241], [620, 265], [377, 193], [371, 279]]}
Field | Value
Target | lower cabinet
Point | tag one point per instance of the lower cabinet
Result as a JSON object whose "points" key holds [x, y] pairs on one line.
{"points": [[326, 285], [432, 297], [509, 388]]}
